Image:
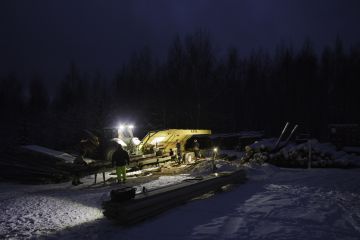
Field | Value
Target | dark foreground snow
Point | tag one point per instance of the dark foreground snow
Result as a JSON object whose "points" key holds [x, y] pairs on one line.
{"points": [[273, 204]]}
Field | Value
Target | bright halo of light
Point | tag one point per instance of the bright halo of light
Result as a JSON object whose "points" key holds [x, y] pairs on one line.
{"points": [[120, 141], [135, 141], [130, 126]]}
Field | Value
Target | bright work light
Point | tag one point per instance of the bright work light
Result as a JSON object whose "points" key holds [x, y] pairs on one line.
{"points": [[122, 127], [135, 141]]}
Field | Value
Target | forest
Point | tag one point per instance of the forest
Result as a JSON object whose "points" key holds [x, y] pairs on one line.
{"points": [[191, 88]]}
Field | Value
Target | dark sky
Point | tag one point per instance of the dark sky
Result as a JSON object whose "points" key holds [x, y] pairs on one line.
{"points": [[45, 36]]}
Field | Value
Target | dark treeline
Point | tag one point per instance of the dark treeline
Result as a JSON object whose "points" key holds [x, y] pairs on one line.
{"points": [[193, 88]]}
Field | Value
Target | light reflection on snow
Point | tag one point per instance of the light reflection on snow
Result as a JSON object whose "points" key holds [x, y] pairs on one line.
{"points": [[273, 204], [162, 181], [32, 215], [139, 172]]}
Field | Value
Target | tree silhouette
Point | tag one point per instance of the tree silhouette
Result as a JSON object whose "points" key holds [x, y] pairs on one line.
{"points": [[192, 88]]}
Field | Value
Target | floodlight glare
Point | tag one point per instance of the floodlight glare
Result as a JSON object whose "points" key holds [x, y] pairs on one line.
{"points": [[215, 149], [130, 126], [135, 141], [121, 127], [120, 141]]}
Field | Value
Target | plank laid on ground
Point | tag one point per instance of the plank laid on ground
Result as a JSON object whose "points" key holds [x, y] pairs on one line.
{"points": [[150, 203]]}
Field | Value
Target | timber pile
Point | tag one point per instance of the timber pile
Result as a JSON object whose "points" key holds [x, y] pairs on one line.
{"points": [[323, 155], [129, 209], [24, 165]]}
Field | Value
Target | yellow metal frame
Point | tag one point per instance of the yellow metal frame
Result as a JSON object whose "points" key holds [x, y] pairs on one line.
{"points": [[169, 137]]}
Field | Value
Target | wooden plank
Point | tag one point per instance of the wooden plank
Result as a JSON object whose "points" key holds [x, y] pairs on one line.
{"points": [[150, 203]]}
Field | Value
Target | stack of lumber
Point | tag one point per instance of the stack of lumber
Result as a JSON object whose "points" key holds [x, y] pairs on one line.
{"points": [[147, 204], [25, 165], [36, 164]]}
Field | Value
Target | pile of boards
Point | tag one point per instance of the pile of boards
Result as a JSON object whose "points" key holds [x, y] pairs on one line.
{"points": [[36, 164], [126, 207]]}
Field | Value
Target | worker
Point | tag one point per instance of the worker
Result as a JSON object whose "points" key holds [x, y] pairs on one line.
{"points": [[120, 159], [172, 155], [79, 162], [196, 147], [178, 151]]}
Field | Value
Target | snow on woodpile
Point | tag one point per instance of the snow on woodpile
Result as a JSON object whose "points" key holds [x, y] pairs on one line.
{"points": [[162, 181], [206, 167], [297, 155], [53, 153]]}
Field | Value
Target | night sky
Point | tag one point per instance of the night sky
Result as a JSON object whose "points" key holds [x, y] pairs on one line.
{"points": [[45, 36]]}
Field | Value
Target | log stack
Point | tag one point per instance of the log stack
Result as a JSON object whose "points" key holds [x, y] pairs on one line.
{"points": [[321, 155]]}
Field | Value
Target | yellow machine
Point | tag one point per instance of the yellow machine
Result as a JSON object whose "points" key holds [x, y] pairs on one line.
{"points": [[155, 147], [164, 140]]}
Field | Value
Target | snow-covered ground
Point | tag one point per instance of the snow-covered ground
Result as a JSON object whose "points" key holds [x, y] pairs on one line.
{"points": [[273, 204]]}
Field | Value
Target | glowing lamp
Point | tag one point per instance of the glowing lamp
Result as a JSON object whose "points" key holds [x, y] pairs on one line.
{"points": [[135, 141]]}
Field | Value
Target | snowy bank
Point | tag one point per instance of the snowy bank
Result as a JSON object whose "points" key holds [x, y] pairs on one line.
{"points": [[274, 203]]}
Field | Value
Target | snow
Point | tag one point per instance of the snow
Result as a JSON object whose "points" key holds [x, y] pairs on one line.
{"points": [[57, 154], [67, 158], [326, 153], [274, 203], [162, 181]]}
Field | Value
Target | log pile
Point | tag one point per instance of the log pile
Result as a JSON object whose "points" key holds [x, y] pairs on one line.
{"points": [[322, 155]]}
